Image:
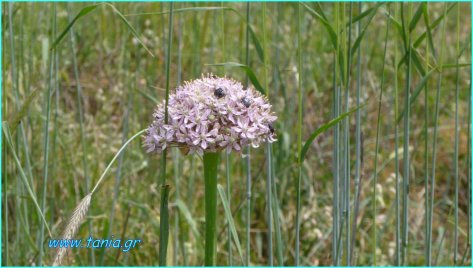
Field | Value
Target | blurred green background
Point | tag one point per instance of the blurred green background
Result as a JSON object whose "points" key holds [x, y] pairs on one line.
{"points": [[103, 85]]}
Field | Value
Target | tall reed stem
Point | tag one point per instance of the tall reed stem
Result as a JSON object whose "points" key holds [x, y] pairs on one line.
{"points": [[347, 211], [47, 115], [378, 124], [455, 157], [426, 150], [248, 159], [164, 219], [357, 141], [396, 153], [434, 141], [268, 148], [336, 151], [299, 135], [81, 116], [210, 176], [407, 109]]}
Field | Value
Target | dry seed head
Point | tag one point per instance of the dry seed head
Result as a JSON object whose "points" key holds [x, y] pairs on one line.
{"points": [[72, 225]]}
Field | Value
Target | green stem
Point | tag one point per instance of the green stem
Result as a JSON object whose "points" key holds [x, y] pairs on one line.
{"points": [[164, 220], [210, 176], [378, 124]]}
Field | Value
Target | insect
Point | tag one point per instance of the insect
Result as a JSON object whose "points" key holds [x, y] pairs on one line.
{"points": [[271, 128], [219, 93], [246, 101]]}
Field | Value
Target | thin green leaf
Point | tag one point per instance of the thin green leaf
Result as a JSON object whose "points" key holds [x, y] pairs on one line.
{"points": [[319, 9], [229, 217], [453, 65], [417, 91], [127, 23], [396, 23], [180, 10], [6, 132], [417, 63], [324, 128], [187, 215], [325, 23], [259, 48], [357, 42], [429, 31], [415, 59], [433, 25], [364, 14], [249, 72], [164, 225], [147, 96], [16, 118], [87, 10], [416, 17]]}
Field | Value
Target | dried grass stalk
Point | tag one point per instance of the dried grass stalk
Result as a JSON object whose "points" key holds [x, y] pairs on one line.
{"points": [[72, 225]]}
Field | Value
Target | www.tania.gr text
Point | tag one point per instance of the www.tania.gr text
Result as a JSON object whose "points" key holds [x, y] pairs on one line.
{"points": [[125, 245]]}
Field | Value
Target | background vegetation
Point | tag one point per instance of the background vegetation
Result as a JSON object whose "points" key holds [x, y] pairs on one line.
{"points": [[79, 102]]}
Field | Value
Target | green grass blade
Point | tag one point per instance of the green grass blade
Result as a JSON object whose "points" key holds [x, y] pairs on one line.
{"points": [[325, 23], [363, 14], [47, 115], [269, 159], [16, 118], [228, 215], [407, 109], [429, 30], [128, 24], [299, 133], [164, 221], [434, 24], [324, 128], [434, 142], [249, 72], [426, 137], [455, 154], [139, 133], [396, 156], [83, 141], [358, 149], [179, 10], [188, 216], [378, 125], [357, 42], [416, 92], [252, 34], [417, 15], [6, 132], [347, 173], [87, 10], [248, 151], [164, 225]]}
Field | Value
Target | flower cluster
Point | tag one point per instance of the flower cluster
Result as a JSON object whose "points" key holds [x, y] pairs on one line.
{"points": [[211, 114]]}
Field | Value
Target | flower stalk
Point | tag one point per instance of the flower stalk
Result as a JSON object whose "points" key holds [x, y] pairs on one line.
{"points": [[207, 116], [211, 160]]}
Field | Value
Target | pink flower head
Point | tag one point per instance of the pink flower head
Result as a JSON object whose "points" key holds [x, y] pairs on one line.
{"points": [[212, 114]]}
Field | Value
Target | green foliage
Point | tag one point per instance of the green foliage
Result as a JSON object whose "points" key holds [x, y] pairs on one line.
{"points": [[86, 77]]}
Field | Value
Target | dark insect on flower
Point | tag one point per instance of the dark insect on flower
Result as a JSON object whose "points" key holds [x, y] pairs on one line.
{"points": [[219, 93], [213, 124], [213, 76], [246, 101], [271, 128]]}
